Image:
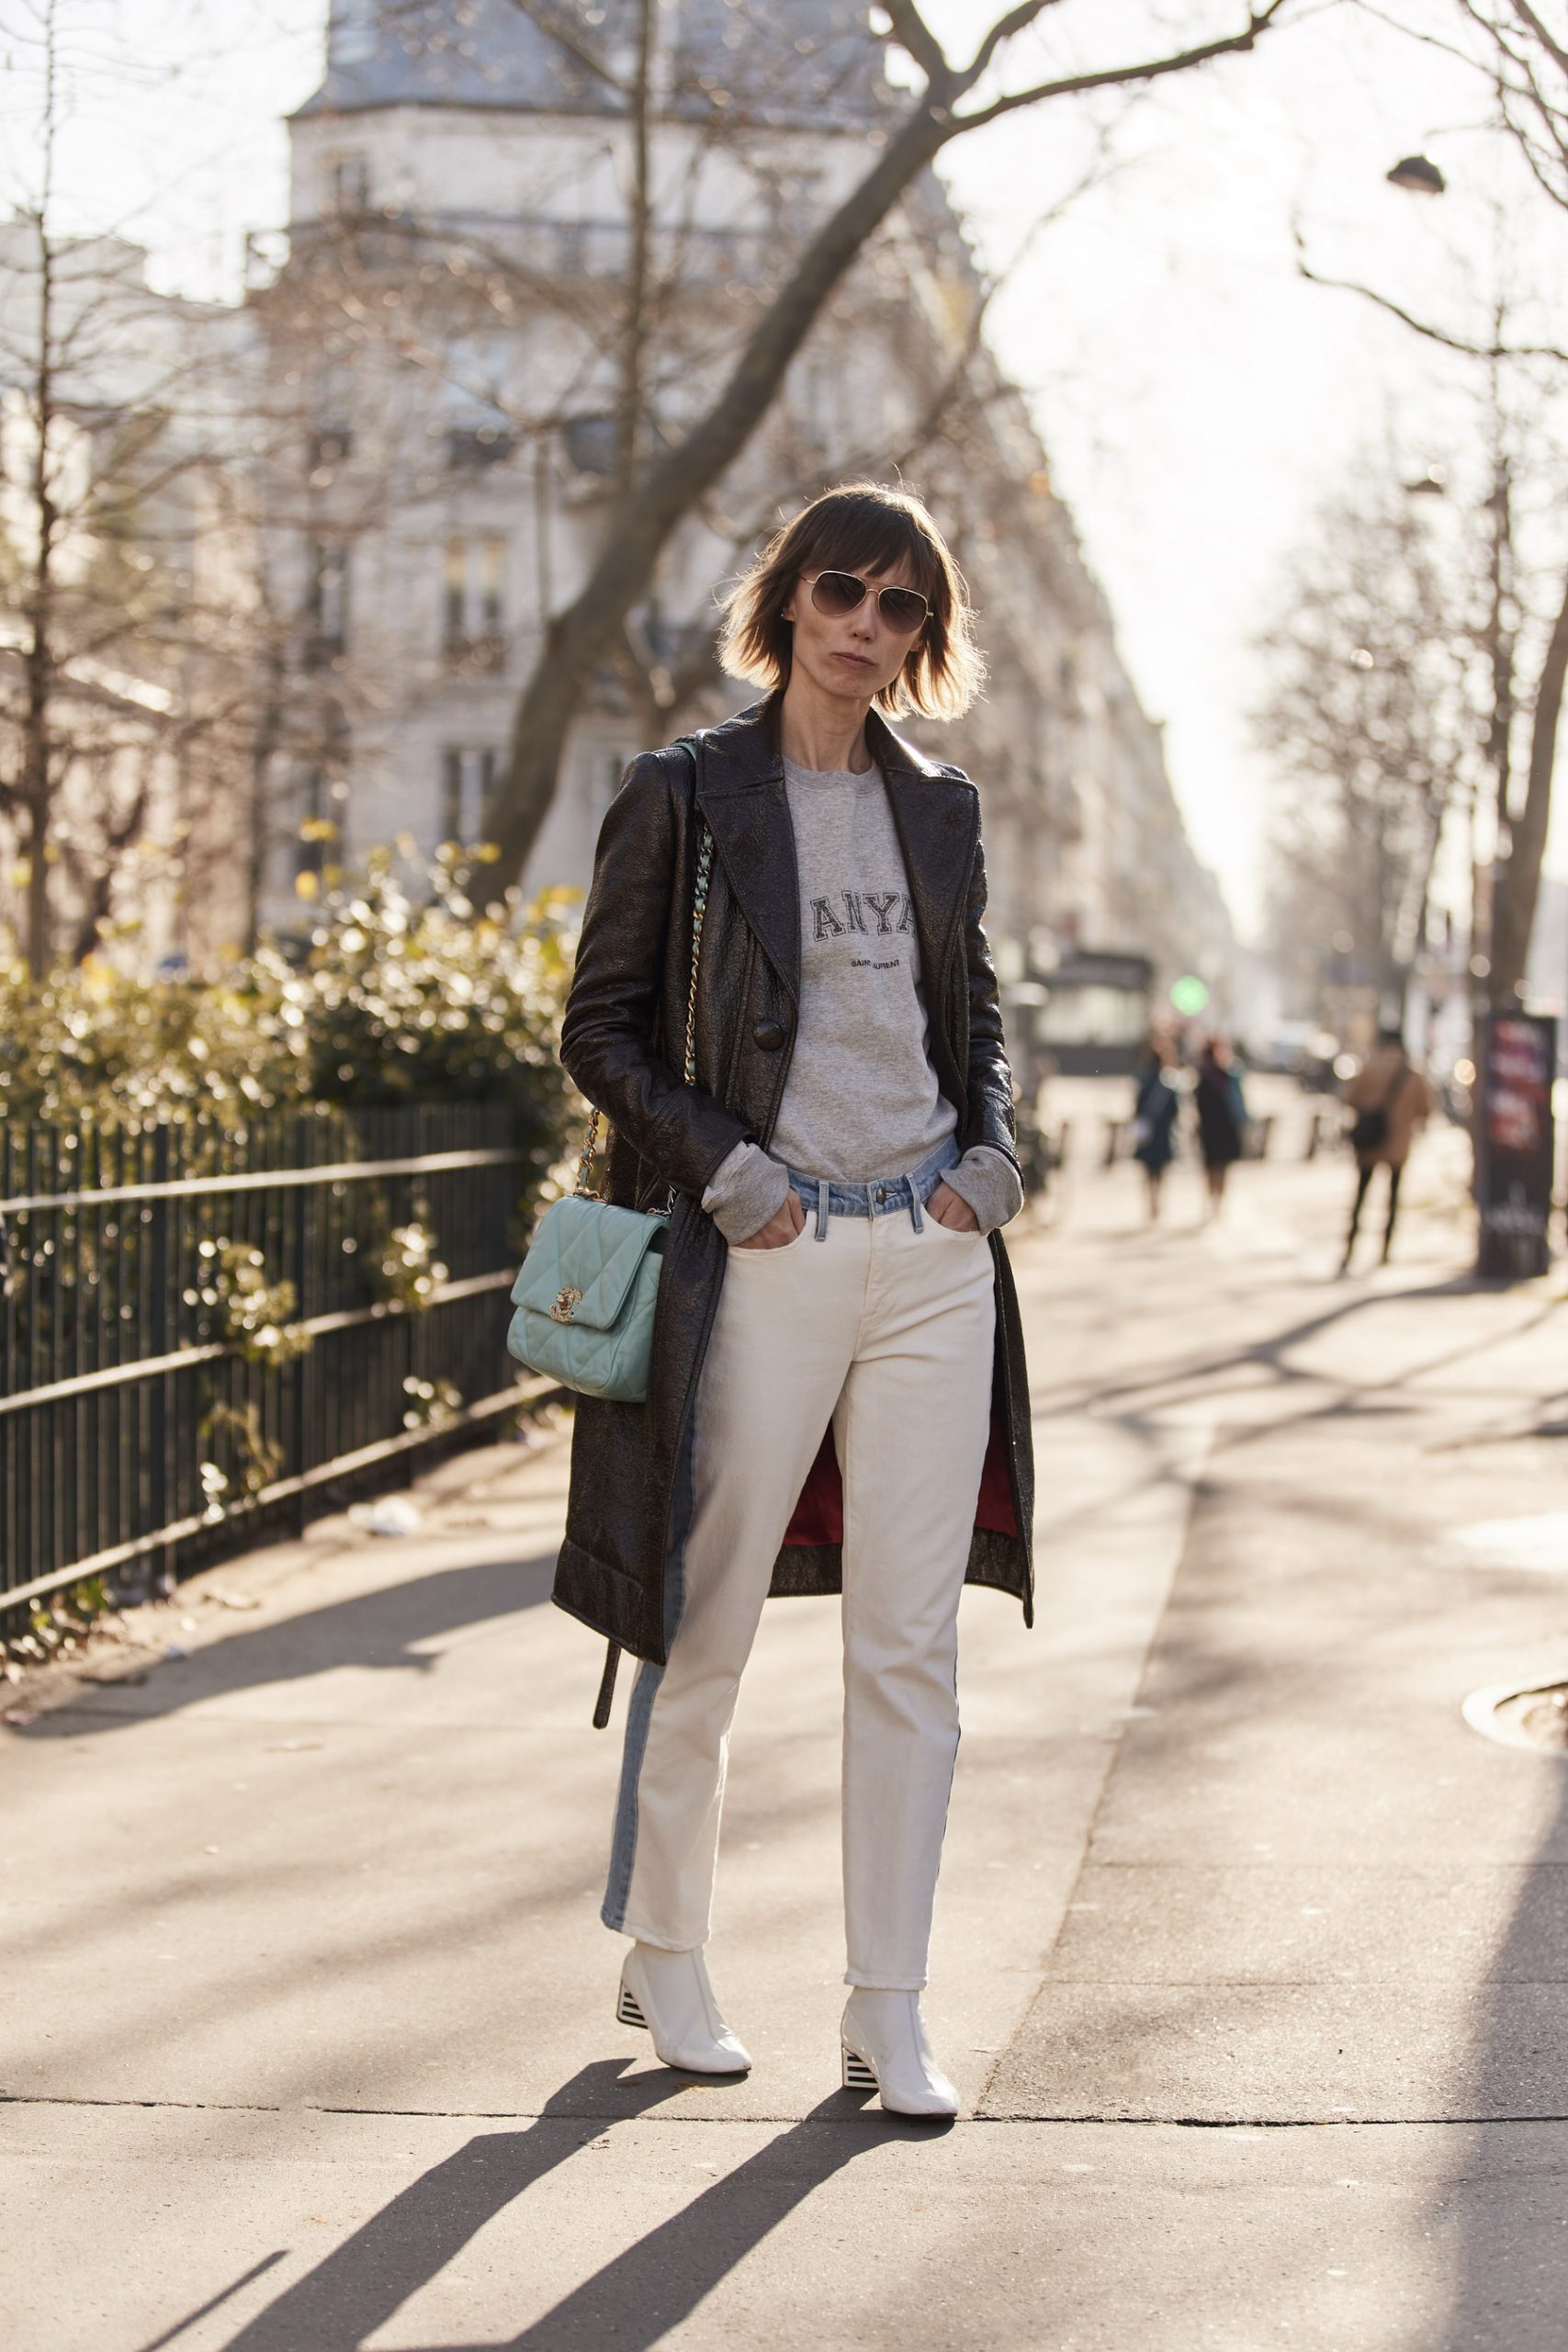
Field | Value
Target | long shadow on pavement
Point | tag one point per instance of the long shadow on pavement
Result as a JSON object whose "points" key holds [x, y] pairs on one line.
{"points": [[1502, 2203], [382, 1629], [1180, 1381], [634, 2300]]}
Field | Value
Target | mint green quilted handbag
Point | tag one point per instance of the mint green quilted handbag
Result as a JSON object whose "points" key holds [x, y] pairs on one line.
{"points": [[585, 1301]]}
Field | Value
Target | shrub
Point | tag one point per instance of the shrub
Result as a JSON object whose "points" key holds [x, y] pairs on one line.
{"points": [[404, 989]]}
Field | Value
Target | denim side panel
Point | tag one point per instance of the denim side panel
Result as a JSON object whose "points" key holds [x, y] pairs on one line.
{"points": [[645, 1689]]}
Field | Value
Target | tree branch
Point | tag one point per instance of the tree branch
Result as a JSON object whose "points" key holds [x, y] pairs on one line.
{"points": [[1531, 21], [1421, 326], [913, 32], [1116, 76], [1017, 20], [1427, 39]]}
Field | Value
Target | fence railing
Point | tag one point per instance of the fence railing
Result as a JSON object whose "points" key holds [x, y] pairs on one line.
{"points": [[204, 1329]]}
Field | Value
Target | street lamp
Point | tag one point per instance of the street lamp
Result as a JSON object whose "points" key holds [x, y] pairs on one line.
{"points": [[1433, 483], [1417, 176]]}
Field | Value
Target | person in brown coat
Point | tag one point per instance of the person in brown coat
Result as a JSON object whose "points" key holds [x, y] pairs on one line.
{"points": [[1390, 1100]]}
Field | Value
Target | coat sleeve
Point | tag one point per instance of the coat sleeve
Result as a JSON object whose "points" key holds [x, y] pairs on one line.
{"points": [[991, 1119], [612, 1006]]}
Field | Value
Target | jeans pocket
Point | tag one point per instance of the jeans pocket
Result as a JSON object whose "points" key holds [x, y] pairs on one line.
{"points": [[738, 1249], [949, 1232]]}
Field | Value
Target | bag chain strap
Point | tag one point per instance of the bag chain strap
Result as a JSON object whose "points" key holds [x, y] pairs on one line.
{"points": [[699, 908]]}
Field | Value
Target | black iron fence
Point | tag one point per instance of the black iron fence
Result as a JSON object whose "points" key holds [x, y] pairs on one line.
{"points": [[205, 1332]]}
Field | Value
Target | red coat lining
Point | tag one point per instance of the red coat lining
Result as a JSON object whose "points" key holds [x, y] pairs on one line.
{"points": [[818, 1514]]}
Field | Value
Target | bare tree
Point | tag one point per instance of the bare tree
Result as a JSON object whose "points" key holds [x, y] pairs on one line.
{"points": [[1528, 67], [664, 475], [121, 667], [1370, 721], [1512, 45]]}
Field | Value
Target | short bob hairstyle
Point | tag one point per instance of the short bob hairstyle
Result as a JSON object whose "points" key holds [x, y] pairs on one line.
{"points": [[860, 527]]}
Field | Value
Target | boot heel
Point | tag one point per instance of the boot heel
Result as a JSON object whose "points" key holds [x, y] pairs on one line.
{"points": [[857, 2075], [627, 2009]]}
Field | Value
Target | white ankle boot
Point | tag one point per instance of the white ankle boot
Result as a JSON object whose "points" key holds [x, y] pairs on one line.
{"points": [[669, 1992], [885, 2049]]}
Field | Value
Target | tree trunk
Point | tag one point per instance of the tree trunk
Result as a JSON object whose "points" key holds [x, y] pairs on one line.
{"points": [[40, 944], [1513, 915], [579, 637], [38, 661], [628, 423]]}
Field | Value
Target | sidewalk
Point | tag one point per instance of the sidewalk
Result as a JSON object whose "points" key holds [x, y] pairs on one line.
{"points": [[1249, 1966]]}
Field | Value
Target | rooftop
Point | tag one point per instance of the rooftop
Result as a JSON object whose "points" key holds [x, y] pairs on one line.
{"points": [[792, 61]]}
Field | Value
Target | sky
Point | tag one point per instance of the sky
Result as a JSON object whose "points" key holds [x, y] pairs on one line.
{"points": [[1197, 396]]}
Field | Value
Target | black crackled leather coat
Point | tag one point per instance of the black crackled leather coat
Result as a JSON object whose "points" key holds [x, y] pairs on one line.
{"points": [[623, 1042]]}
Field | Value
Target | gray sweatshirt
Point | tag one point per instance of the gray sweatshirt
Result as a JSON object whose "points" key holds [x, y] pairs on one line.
{"points": [[861, 1098]]}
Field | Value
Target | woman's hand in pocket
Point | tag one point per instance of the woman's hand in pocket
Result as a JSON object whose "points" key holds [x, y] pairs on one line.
{"points": [[948, 1209], [781, 1227]]}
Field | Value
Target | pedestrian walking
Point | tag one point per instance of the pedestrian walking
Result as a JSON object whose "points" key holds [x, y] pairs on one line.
{"points": [[1392, 1100], [1222, 1116], [1155, 1108], [838, 1397]]}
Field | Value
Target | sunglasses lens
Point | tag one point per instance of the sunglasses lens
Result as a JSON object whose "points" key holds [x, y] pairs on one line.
{"points": [[903, 609], [837, 591]]}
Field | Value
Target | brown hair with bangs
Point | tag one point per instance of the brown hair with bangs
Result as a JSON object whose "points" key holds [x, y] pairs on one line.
{"points": [[860, 527]]}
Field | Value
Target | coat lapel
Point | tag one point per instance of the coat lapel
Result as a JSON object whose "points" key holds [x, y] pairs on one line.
{"points": [[936, 817], [741, 791]]}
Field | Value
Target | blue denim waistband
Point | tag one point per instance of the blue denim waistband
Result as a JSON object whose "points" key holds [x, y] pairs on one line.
{"points": [[826, 1197]]}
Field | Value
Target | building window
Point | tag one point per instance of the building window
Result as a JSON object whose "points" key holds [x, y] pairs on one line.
{"points": [[326, 602], [313, 831], [473, 606], [588, 443], [326, 448], [469, 445], [816, 388], [479, 428], [351, 184], [468, 778]]}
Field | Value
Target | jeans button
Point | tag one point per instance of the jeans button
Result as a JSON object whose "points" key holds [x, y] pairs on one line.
{"points": [[881, 1193]]}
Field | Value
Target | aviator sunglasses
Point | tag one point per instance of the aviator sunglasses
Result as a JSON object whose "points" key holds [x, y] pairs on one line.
{"points": [[903, 609]]}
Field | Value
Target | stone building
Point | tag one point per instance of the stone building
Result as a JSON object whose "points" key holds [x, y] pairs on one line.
{"points": [[446, 317]]}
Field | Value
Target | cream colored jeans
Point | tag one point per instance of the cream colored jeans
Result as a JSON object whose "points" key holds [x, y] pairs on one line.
{"points": [[882, 1321]]}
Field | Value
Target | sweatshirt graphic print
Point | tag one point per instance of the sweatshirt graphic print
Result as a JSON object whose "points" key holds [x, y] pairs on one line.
{"points": [[861, 1100]]}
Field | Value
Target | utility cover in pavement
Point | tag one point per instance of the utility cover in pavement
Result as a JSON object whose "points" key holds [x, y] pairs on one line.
{"points": [[1535, 1717]]}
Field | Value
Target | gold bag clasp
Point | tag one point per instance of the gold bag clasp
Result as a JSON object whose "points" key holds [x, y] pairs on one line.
{"points": [[565, 1305]]}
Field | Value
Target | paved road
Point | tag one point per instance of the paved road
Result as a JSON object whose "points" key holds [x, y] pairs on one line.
{"points": [[1250, 1956]]}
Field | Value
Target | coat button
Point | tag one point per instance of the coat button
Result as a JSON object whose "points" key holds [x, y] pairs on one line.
{"points": [[769, 1035]]}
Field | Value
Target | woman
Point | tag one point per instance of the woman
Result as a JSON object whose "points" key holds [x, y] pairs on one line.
{"points": [[1222, 1116], [838, 1397], [1154, 1107]]}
